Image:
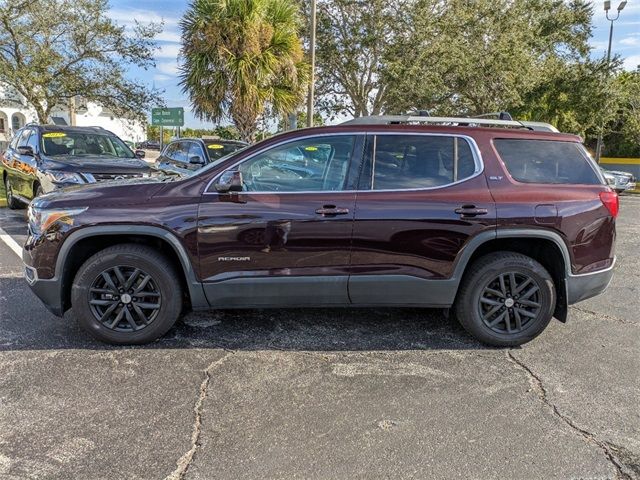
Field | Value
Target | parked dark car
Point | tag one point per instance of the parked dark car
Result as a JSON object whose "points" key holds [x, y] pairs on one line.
{"points": [[384, 211], [149, 145], [185, 155], [44, 158]]}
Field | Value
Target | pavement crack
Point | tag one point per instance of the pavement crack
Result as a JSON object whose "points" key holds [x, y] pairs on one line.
{"points": [[623, 321], [622, 471], [185, 461]]}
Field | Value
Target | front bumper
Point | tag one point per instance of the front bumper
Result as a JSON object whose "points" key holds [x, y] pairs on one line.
{"points": [[49, 290], [582, 287]]}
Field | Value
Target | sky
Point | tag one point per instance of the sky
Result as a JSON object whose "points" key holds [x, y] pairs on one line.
{"points": [[626, 42]]}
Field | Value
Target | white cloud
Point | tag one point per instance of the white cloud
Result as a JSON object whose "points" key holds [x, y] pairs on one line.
{"points": [[632, 62], [632, 41], [168, 50], [168, 36], [159, 77], [168, 68]]}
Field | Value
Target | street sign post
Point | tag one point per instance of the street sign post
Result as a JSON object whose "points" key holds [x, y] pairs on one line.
{"points": [[167, 117]]}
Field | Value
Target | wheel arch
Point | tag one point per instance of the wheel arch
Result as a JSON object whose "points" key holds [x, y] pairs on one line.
{"points": [[82, 244], [546, 247]]}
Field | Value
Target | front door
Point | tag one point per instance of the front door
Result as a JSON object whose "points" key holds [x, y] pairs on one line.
{"points": [[422, 198], [286, 238]]}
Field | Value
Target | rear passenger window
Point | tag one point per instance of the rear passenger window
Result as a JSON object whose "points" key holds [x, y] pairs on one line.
{"points": [[546, 161], [420, 161]]}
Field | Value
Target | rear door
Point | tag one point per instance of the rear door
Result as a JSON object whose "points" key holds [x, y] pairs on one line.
{"points": [[286, 238], [421, 198]]}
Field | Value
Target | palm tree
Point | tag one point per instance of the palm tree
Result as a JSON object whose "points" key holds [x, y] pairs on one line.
{"points": [[242, 56]]}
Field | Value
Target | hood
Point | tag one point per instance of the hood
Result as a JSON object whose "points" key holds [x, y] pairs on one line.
{"points": [[95, 164], [112, 193], [618, 172]]}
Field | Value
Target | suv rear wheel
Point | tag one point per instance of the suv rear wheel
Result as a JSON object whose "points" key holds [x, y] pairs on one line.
{"points": [[126, 294], [506, 299]]}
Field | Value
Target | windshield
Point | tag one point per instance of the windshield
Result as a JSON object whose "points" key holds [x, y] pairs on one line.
{"points": [[220, 148], [56, 144]]}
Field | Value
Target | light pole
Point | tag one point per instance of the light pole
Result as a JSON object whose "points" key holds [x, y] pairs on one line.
{"points": [[312, 48], [607, 8]]}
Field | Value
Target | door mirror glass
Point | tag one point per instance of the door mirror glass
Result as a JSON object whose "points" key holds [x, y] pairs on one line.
{"points": [[140, 153], [196, 160], [26, 150], [229, 181]]}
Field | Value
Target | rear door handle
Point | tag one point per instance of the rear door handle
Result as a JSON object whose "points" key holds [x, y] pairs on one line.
{"points": [[467, 211], [332, 210]]}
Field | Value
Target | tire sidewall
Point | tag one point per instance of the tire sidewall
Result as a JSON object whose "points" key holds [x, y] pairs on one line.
{"points": [[469, 314], [163, 277]]}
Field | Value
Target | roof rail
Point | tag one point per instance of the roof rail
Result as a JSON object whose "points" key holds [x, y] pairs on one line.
{"points": [[451, 121]]}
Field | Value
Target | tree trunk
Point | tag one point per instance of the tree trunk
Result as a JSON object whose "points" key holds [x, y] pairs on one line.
{"points": [[246, 124]]}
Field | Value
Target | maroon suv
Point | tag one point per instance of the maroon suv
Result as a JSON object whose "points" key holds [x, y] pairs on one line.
{"points": [[503, 224]]}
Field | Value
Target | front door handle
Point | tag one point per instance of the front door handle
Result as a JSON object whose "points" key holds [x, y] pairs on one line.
{"points": [[469, 211], [332, 210]]}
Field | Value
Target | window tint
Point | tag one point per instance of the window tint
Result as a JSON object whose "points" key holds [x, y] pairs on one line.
{"points": [[70, 143], [420, 161], [33, 141], [195, 150], [24, 137], [313, 164], [545, 161], [220, 148], [178, 152], [15, 139]]}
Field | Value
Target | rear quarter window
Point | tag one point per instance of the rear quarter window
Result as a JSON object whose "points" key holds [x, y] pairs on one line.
{"points": [[547, 161]]}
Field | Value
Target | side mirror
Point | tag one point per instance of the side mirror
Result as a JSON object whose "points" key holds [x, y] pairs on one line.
{"points": [[196, 160], [229, 181], [140, 153], [26, 150]]}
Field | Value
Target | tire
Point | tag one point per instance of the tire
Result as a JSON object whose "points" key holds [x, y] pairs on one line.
{"points": [[482, 291], [12, 202], [158, 299]]}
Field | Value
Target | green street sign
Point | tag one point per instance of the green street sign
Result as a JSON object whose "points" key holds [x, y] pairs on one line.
{"points": [[167, 117]]}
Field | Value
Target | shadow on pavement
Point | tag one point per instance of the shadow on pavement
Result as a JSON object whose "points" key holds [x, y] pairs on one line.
{"points": [[25, 324]]}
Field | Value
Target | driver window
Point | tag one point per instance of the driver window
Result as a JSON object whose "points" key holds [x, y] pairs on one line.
{"points": [[312, 164]]}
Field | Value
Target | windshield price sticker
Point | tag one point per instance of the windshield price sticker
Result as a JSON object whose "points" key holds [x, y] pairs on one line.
{"points": [[54, 135], [311, 149], [215, 146]]}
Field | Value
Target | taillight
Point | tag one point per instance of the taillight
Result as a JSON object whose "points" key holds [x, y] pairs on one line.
{"points": [[610, 200]]}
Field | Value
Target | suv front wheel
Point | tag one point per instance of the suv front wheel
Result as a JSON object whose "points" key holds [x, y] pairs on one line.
{"points": [[506, 299], [126, 294]]}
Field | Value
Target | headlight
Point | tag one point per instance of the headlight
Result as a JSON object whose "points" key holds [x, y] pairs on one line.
{"points": [[41, 220], [57, 176]]}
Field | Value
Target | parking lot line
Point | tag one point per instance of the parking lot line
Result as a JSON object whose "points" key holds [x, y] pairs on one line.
{"points": [[11, 243]]}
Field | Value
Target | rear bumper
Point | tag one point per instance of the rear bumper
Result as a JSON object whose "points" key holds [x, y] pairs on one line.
{"points": [[582, 287], [49, 291]]}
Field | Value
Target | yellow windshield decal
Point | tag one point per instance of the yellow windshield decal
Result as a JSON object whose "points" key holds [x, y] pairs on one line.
{"points": [[54, 135], [215, 146], [311, 149]]}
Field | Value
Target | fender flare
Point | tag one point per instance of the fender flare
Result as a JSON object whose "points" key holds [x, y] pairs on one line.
{"points": [[196, 293]]}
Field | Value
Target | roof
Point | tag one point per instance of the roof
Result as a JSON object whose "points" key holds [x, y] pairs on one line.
{"points": [[67, 128], [450, 121]]}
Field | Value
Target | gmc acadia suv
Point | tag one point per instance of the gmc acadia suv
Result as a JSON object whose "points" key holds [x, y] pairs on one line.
{"points": [[505, 225]]}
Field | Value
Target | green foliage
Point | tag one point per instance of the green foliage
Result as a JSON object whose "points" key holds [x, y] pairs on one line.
{"points": [[226, 132], [241, 57], [52, 51], [623, 138], [301, 121], [352, 37]]}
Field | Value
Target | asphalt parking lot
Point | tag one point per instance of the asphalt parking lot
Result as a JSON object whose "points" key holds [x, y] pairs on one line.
{"points": [[369, 393]]}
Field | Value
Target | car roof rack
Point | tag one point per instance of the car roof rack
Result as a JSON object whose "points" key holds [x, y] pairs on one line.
{"points": [[422, 119]]}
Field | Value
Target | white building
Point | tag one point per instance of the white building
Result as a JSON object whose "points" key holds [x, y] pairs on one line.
{"points": [[88, 114]]}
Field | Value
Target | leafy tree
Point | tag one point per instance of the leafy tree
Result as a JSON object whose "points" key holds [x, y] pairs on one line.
{"points": [[623, 131], [463, 57], [352, 36], [242, 56], [52, 51]]}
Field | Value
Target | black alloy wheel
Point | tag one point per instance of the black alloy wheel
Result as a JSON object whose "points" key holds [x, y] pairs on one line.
{"points": [[510, 302], [505, 299], [124, 299]]}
